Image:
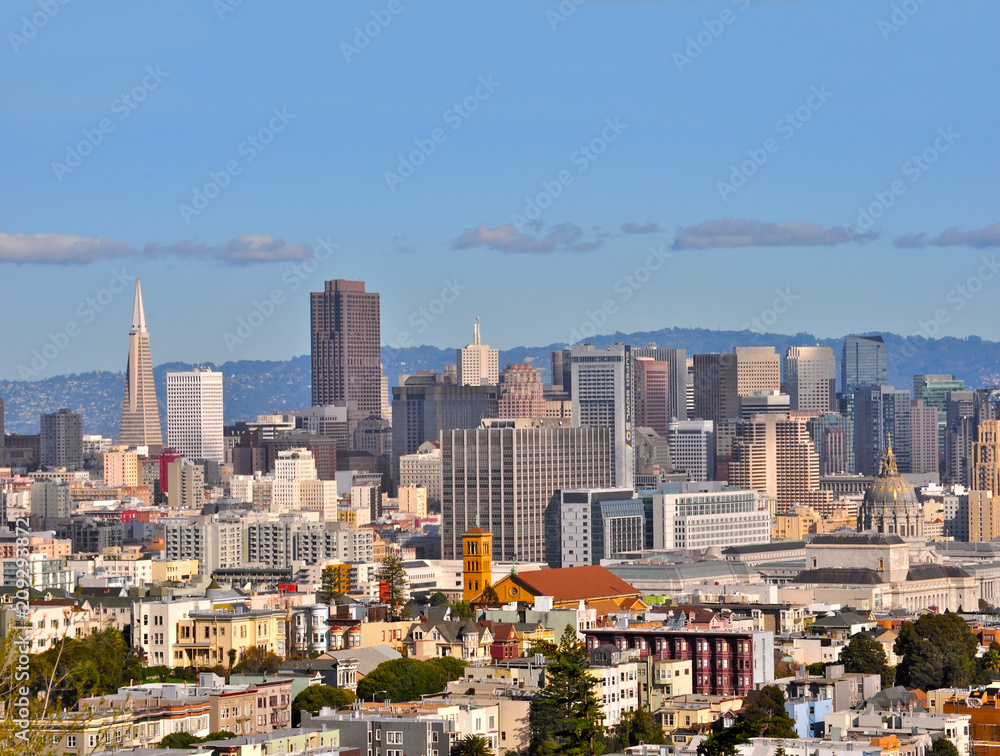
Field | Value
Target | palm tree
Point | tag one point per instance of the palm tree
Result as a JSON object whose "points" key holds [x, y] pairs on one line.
{"points": [[992, 659], [472, 745]]}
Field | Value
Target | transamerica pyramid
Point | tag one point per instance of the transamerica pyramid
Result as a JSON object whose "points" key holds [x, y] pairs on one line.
{"points": [[140, 415]]}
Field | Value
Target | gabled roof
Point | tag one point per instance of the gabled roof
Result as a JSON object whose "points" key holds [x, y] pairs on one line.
{"points": [[575, 583], [840, 621]]}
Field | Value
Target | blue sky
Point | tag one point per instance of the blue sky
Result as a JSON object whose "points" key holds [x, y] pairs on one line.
{"points": [[633, 119]]}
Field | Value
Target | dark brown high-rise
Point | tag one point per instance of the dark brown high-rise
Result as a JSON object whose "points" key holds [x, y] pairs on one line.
{"points": [[346, 333]]}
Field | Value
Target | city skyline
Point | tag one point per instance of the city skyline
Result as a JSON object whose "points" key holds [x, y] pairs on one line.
{"points": [[644, 184]]}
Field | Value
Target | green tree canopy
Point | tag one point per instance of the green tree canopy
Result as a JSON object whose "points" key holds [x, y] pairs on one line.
{"points": [[942, 747], [439, 599], [407, 679], [257, 660], [938, 651], [82, 667], [867, 656], [315, 697], [461, 610]]}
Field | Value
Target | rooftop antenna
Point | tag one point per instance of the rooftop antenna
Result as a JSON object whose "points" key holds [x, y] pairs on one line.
{"points": [[476, 333]]}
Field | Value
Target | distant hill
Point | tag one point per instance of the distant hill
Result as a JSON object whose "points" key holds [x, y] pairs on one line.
{"points": [[254, 387]]}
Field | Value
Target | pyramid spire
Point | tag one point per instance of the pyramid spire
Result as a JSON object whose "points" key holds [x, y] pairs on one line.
{"points": [[140, 425], [138, 313]]}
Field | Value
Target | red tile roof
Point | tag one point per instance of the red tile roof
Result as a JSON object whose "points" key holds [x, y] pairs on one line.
{"points": [[574, 583]]}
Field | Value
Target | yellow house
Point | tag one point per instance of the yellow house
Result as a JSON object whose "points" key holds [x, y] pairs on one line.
{"points": [[206, 637], [385, 634], [175, 571]]}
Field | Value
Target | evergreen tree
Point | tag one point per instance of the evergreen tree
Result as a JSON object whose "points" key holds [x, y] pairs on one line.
{"points": [[564, 718], [328, 587], [393, 574], [939, 651], [867, 656]]}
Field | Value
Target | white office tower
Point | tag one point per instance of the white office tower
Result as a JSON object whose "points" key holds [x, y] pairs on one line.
{"points": [[699, 519], [811, 378], [477, 364], [297, 488], [602, 398], [692, 448], [194, 414]]}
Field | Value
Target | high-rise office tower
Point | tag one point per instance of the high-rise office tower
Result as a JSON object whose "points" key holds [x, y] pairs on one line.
{"points": [[426, 404], [61, 440], [677, 373], [652, 394], [602, 398], [194, 414], [521, 393], [715, 383], [692, 448], [881, 411], [140, 424], [757, 369], [763, 402], [864, 363], [562, 371], [346, 357], [986, 457], [504, 476], [774, 454], [959, 435], [811, 378], [934, 390], [833, 436], [923, 438], [476, 363]]}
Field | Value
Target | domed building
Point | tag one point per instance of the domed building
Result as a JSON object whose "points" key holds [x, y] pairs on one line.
{"points": [[890, 505]]}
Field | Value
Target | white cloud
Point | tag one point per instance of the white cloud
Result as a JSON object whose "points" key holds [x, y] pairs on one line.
{"points": [[738, 232], [55, 249], [510, 239]]}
